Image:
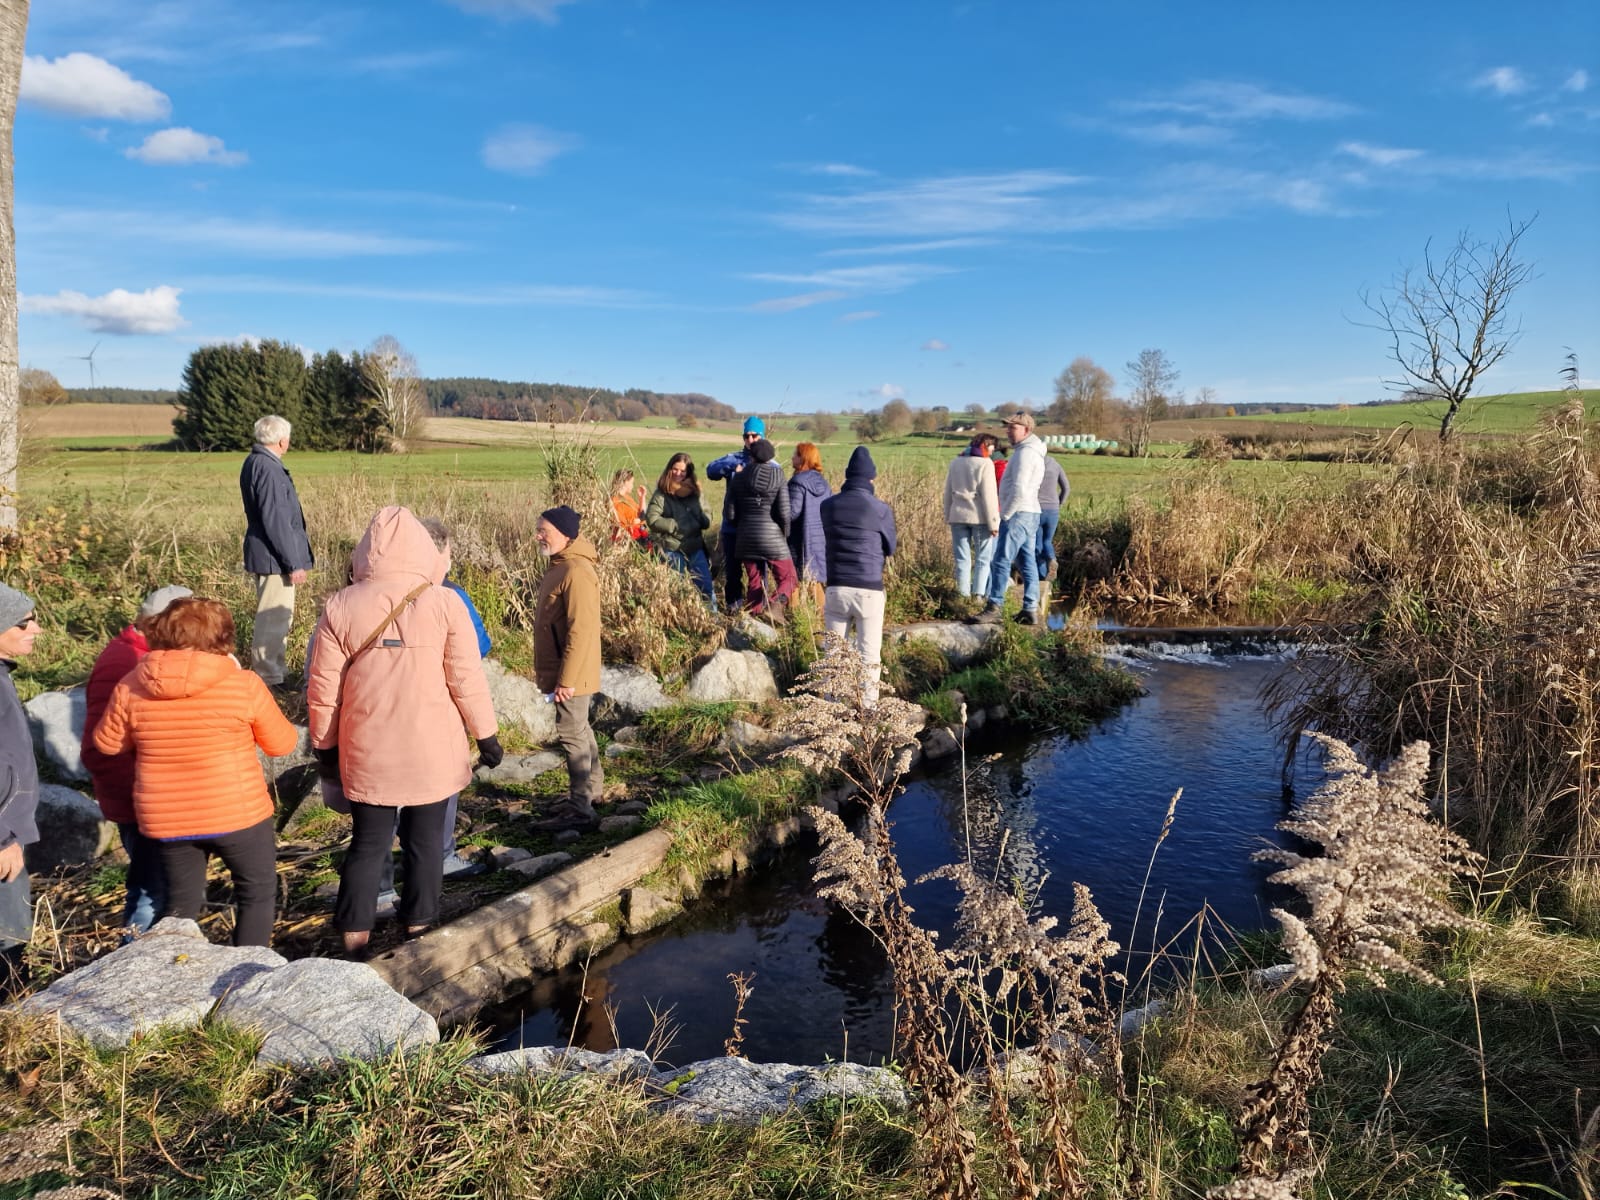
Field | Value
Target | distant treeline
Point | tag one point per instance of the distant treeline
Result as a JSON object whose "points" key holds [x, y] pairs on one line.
{"points": [[499, 400], [121, 395]]}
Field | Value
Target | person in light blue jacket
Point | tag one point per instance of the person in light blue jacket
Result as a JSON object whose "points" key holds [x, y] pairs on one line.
{"points": [[725, 468]]}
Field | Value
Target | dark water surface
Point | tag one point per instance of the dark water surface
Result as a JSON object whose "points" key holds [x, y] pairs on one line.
{"points": [[1062, 810]]}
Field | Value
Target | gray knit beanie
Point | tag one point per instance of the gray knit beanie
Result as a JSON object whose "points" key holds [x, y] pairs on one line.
{"points": [[14, 606], [158, 601]]}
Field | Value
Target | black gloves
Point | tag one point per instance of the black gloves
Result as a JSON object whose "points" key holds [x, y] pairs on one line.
{"points": [[327, 762], [489, 752]]}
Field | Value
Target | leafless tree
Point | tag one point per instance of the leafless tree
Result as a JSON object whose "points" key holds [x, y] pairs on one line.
{"points": [[390, 372], [1083, 398], [1448, 320], [1152, 375], [13, 33], [823, 427]]}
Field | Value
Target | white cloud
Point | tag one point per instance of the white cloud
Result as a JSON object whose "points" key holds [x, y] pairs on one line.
{"points": [[887, 391], [524, 149], [956, 243], [1305, 196], [1177, 133], [880, 277], [513, 296], [780, 304], [866, 314], [1226, 100], [1504, 81], [1541, 120], [118, 311], [1378, 156], [264, 239], [405, 61], [181, 146], [935, 344], [1576, 82], [82, 85], [950, 205], [547, 11], [846, 169]]}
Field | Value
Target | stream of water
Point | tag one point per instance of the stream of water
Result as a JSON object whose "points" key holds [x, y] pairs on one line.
{"points": [[1060, 810]]}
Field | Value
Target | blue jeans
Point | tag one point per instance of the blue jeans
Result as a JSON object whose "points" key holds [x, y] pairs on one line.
{"points": [[698, 567], [974, 550], [16, 917], [1046, 551], [147, 878], [1018, 538]]}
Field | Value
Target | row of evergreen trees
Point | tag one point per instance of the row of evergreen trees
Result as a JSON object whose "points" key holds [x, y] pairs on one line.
{"points": [[329, 400]]}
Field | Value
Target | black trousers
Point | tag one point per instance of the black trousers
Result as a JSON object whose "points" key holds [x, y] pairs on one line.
{"points": [[421, 859], [251, 858]]}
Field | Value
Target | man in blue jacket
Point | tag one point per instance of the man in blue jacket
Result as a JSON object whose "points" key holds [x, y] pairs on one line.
{"points": [[19, 789], [276, 549], [725, 468], [860, 536]]}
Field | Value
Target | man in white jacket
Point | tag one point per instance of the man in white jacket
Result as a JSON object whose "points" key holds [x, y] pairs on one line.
{"points": [[1019, 524]]}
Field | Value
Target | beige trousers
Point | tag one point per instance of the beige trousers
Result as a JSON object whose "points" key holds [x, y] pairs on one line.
{"points": [[863, 608], [274, 614]]}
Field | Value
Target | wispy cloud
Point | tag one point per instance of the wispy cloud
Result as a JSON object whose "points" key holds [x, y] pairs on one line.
{"points": [[886, 391], [1378, 156], [1231, 100], [880, 277], [1578, 81], [404, 62], [923, 247], [261, 239], [182, 146], [935, 344], [548, 11], [1503, 81], [82, 85], [848, 170], [951, 205], [489, 296], [525, 149], [117, 312], [783, 304], [866, 314]]}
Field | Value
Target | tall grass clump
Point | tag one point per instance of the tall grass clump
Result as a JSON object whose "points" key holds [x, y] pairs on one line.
{"points": [[1480, 640]]}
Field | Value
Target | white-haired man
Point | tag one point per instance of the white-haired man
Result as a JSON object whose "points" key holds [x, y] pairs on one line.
{"points": [[276, 549]]}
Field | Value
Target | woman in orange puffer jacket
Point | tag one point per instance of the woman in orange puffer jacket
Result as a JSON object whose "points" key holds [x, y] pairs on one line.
{"points": [[194, 718]]}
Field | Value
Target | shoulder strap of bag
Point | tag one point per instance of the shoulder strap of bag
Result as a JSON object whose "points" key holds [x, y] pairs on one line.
{"points": [[372, 637]]}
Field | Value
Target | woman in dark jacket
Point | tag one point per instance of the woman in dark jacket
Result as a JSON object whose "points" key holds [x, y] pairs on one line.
{"points": [[760, 504], [807, 490], [677, 522]]}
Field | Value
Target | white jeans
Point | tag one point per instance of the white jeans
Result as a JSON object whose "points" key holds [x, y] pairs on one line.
{"points": [[269, 641], [863, 607]]}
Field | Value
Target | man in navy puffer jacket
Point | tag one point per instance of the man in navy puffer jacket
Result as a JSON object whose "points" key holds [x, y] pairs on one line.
{"points": [[860, 538]]}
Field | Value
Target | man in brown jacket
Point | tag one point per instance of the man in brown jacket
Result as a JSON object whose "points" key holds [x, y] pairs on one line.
{"points": [[566, 659]]}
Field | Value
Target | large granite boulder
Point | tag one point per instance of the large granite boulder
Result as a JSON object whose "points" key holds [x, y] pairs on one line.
{"points": [[962, 645], [734, 1089], [170, 976], [518, 701], [565, 1061], [56, 720], [743, 675], [318, 1010], [628, 692], [72, 830], [520, 768]]}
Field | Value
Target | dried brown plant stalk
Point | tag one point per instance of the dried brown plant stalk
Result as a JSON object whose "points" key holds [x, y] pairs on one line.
{"points": [[741, 996], [1380, 881]]}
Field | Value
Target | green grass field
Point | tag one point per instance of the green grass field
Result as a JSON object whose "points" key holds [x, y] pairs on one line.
{"points": [[1481, 414]]}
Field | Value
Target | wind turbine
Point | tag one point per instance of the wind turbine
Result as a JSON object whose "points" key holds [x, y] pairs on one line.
{"points": [[89, 358]]}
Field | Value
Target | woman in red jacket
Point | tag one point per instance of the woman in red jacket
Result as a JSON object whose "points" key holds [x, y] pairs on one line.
{"points": [[193, 718], [113, 773]]}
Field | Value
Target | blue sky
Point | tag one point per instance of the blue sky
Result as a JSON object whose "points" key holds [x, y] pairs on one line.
{"points": [[795, 207]]}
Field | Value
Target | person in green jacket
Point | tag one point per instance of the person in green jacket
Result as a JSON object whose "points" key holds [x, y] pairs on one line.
{"points": [[677, 523]]}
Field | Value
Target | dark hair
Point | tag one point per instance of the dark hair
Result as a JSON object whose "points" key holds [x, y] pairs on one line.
{"points": [[665, 482], [437, 531], [763, 451], [193, 623]]}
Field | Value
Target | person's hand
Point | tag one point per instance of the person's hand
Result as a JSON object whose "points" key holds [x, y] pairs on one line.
{"points": [[296, 578], [562, 694], [994, 533], [327, 761], [489, 752], [10, 862]]}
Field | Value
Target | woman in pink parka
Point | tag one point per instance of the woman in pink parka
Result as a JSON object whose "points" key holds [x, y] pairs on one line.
{"points": [[394, 676]]}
